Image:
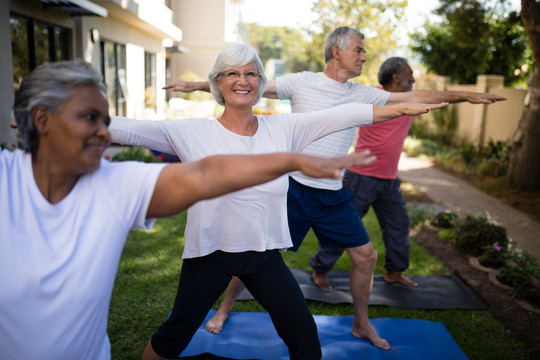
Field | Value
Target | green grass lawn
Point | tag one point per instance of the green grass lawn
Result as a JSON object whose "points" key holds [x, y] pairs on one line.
{"points": [[148, 277]]}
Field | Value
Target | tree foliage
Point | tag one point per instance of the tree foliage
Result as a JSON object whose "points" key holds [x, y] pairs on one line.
{"points": [[376, 19], [281, 43], [474, 38]]}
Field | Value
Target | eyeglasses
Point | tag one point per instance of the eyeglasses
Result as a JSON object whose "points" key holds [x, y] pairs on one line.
{"points": [[249, 76]]}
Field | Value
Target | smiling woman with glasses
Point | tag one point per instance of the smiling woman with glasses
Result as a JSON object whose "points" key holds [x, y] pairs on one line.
{"points": [[233, 75], [243, 234]]}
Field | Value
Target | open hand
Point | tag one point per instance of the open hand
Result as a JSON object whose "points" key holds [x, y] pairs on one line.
{"points": [[414, 109], [481, 98], [331, 167]]}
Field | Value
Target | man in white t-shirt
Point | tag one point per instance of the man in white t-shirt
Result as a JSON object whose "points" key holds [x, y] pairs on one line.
{"points": [[326, 206], [377, 185]]}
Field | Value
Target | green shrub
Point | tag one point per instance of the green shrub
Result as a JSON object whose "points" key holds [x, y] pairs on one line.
{"points": [[476, 232], [419, 128], [446, 124], [522, 273], [499, 150], [417, 215], [515, 277], [444, 219], [494, 256], [491, 160], [492, 167], [136, 153], [525, 260], [446, 235], [468, 153]]}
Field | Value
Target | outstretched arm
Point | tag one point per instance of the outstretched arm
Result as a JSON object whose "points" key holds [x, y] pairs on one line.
{"points": [[428, 96], [188, 86], [145, 133], [383, 113], [181, 185], [191, 86]]}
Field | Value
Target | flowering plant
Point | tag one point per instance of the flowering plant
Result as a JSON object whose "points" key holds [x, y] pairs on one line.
{"points": [[477, 233], [494, 255], [444, 219], [149, 98]]}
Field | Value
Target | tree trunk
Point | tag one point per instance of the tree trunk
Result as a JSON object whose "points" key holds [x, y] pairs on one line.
{"points": [[524, 159], [525, 156]]}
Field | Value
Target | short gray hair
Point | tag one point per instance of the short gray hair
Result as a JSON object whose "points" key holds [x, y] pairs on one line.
{"points": [[389, 67], [49, 86], [235, 55], [341, 37]]}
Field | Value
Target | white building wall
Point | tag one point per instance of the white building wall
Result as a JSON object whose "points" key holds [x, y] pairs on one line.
{"points": [[140, 25], [136, 42], [208, 26], [135, 80]]}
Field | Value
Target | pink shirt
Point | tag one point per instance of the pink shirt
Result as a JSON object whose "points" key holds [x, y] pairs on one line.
{"points": [[385, 141]]}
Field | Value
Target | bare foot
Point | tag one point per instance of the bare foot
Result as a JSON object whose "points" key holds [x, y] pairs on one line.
{"points": [[371, 335], [320, 280], [215, 324], [397, 277]]}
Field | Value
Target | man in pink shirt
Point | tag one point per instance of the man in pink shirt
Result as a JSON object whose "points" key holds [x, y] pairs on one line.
{"points": [[377, 185]]}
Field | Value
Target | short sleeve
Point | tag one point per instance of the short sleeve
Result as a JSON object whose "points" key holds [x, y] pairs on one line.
{"points": [[129, 186], [285, 86]]}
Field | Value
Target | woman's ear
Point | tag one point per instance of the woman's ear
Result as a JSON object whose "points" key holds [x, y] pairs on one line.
{"points": [[41, 117], [218, 82]]}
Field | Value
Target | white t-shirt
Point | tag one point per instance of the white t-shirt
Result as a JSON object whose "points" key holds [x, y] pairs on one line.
{"points": [[310, 91], [253, 219], [58, 261]]}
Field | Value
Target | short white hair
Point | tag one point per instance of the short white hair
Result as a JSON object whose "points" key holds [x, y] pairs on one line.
{"points": [[232, 56], [341, 37]]}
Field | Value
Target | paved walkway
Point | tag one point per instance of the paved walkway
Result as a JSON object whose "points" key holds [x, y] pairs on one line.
{"points": [[455, 194]]}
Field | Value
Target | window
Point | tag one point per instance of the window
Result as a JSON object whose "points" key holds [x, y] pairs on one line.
{"points": [[113, 68], [168, 77], [149, 80], [34, 43]]}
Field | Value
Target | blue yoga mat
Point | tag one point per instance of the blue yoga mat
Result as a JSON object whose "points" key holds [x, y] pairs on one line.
{"points": [[251, 335]]}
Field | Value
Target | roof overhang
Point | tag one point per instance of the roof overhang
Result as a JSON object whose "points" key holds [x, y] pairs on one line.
{"points": [[141, 15], [177, 48], [78, 7]]}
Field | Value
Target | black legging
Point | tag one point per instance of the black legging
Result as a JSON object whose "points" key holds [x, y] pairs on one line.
{"points": [[268, 279]]}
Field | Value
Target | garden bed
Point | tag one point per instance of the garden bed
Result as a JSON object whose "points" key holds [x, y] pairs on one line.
{"points": [[524, 325]]}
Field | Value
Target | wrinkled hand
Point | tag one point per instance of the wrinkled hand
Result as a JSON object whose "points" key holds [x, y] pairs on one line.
{"points": [[480, 98], [318, 167], [414, 109], [182, 86]]}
